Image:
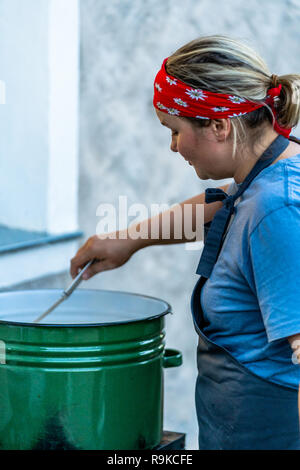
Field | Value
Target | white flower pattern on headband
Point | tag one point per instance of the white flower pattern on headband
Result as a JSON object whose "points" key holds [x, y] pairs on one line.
{"points": [[220, 109], [173, 111], [196, 94], [180, 102], [160, 105], [158, 87], [236, 99], [202, 117], [236, 115], [170, 81]]}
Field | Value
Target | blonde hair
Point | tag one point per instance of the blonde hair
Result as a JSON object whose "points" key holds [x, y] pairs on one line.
{"points": [[221, 64]]}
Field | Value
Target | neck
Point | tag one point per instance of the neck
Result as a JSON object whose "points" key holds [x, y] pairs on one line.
{"points": [[247, 158]]}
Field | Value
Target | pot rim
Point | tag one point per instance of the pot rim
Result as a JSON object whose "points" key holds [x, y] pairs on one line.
{"points": [[167, 310]]}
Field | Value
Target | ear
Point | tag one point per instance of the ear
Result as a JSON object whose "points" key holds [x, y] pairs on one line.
{"points": [[221, 128]]}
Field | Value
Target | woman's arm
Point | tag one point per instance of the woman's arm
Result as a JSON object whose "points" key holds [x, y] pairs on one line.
{"points": [[295, 345], [170, 215], [114, 249]]}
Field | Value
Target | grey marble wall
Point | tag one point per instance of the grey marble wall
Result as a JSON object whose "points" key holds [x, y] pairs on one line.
{"points": [[125, 151]]}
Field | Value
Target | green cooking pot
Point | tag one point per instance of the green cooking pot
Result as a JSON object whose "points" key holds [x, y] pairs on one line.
{"points": [[90, 377]]}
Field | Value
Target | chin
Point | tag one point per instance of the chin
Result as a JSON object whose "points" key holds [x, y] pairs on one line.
{"points": [[206, 176], [201, 175]]}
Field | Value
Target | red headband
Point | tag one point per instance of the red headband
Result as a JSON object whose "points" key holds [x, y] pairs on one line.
{"points": [[172, 96]]}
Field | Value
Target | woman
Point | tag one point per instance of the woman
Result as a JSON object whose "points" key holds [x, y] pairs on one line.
{"points": [[230, 118]]}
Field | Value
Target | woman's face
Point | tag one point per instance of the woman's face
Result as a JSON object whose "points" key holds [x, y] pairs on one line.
{"points": [[207, 149]]}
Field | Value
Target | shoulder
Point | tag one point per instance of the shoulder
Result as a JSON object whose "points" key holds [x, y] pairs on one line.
{"points": [[292, 180], [276, 190]]}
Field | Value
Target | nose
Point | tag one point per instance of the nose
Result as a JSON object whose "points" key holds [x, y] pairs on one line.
{"points": [[173, 145]]}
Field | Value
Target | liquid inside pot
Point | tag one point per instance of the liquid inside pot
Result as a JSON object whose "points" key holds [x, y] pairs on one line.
{"points": [[83, 307]]}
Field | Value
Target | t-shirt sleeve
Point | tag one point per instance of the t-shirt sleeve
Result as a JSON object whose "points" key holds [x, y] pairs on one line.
{"points": [[275, 258]]}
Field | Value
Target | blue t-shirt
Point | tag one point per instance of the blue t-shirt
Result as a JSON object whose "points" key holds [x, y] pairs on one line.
{"points": [[251, 302]]}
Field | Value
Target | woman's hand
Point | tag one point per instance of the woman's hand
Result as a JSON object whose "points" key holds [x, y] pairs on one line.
{"points": [[109, 253]]}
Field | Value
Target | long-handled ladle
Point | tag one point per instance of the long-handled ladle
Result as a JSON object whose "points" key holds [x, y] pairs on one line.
{"points": [[66, 293]]}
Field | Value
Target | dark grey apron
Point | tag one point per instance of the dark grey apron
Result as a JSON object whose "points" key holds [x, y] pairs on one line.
{"points": [[237, 409]]}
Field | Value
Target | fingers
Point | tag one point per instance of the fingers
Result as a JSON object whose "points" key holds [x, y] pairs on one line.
{"points": [[95, 268], [82, 257], [97, 250], [92, 270], [77, 263]]}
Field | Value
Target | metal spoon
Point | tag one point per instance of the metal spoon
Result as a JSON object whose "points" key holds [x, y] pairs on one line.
{"points": [[66, 293]]}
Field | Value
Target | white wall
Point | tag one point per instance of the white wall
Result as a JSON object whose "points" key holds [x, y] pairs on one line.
{"points": [[39, 121], [62, 195], [24, 148]]}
